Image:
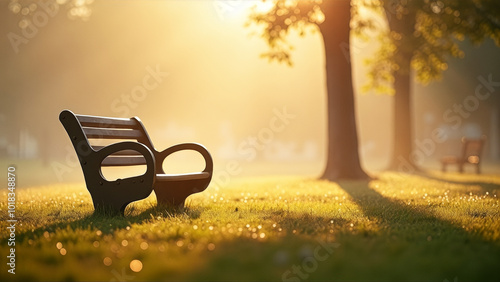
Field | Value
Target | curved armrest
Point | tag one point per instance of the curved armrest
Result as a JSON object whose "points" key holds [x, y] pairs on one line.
{"points": [[209, 166], [128, 145]]}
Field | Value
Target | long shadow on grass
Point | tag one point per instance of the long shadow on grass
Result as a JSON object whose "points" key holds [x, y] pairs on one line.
{"points": [[415, 239], [403, 243], [108, 224], [489, 187]]}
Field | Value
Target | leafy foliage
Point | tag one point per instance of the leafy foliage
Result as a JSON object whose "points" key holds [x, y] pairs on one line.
{"points": [[286, 15], [429, 32], [432, 33]]}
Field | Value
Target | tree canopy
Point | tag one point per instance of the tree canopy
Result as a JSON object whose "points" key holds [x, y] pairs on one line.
{"points": [[429, 32]]}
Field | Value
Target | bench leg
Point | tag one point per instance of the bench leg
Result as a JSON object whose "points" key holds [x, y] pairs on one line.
{"points": [[174, 193]]}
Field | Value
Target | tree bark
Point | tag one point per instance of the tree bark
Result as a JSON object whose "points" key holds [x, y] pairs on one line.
{"points": [[342, 153], [402, 158]]}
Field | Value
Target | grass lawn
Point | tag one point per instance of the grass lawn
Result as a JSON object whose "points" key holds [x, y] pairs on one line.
{"points": [[440, 227]]}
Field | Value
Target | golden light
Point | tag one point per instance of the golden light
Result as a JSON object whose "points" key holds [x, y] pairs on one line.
{"points": [[107, 261], [136, 265], [473, 159], [240, 9]]}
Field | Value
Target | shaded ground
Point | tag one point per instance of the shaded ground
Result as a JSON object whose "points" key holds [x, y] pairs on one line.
{"points": [[400, 227]]}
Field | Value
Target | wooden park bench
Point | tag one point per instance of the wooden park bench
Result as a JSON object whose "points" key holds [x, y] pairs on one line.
{"points": [[114, 196], [471, 154]]}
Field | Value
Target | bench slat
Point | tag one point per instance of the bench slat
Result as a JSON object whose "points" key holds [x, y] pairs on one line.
{"points": [[106, 122], [120, 153], [123, 161], [112, 133]]}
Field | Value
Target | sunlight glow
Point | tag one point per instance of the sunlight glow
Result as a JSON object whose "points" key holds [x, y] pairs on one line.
{"points": [[136, 265], [239, 8]]}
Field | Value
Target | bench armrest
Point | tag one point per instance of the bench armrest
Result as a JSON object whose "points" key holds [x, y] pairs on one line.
{"points": [[209, 166], [127, 145]]}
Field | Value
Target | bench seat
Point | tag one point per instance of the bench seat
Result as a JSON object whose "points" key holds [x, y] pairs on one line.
{"points": [[183, 176]]}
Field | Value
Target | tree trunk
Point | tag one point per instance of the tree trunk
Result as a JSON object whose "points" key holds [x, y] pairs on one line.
{"points": [[402, 158], [342, 154]]}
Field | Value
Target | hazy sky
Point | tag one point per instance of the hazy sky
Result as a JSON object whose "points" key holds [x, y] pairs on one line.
{"points": [[205, 81]]}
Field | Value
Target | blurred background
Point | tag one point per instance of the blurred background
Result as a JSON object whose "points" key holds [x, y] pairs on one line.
{"points": [[192, 72]]}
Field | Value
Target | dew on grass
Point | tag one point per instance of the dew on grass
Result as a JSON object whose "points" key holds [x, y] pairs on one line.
{"points": [[107, 261], [59, 245], [114, 248], [211, 246], [136, 265], [62, 251]]}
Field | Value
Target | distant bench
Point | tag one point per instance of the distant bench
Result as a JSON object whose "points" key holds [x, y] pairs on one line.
{"points": [[470, 154], [114, 196]]}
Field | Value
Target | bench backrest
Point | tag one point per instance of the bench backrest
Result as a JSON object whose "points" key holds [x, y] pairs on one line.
{"points": [[85, 130], [472, 149]]}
